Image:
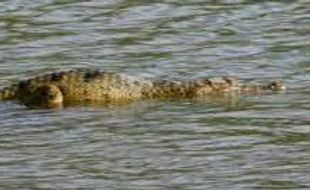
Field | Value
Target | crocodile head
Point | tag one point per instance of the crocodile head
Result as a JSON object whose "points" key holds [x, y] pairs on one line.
{"points": [[45, 96]]}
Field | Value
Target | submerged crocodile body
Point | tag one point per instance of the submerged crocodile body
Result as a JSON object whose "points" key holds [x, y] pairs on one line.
{"points": [[92, 86]]}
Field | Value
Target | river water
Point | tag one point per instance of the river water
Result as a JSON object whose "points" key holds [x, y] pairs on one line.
{"points": [[255, 142]]}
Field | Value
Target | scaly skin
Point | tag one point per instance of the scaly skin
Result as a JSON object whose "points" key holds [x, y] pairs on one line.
{"points": [[92, 86]]}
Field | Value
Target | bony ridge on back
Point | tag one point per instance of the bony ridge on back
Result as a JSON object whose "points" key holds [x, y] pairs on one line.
{"points": [[55, 90]]}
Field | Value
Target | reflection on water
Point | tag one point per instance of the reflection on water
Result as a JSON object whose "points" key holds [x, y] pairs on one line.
{"points": [[253, 142]]}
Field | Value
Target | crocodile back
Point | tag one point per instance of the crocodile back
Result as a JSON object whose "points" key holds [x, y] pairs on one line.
{"points": [[88, 85]]}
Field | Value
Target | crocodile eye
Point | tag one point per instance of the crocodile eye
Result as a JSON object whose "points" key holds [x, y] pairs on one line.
{"points": [[51, 96], [55, 76]]}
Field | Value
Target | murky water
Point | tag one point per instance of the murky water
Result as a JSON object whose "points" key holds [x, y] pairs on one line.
{"points": [[259, 142]]}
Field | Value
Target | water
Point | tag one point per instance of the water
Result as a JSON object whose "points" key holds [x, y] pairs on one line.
{"points": [[259, 142]]}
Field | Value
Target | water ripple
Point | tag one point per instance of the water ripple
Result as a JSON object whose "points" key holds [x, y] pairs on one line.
{"points": [[253, 142]]}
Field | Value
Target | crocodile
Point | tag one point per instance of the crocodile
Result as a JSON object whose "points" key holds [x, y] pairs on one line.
{"points": [[58, 89]]}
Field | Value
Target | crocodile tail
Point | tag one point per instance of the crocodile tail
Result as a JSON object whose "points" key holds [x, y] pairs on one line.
{"points": [[8, 93], [276, 85]]}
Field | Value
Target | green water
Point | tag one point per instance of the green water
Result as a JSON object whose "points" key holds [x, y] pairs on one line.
{"points": [[257, 142]]}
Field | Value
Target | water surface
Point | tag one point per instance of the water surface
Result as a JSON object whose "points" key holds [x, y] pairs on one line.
{"points": [[257, 142]]}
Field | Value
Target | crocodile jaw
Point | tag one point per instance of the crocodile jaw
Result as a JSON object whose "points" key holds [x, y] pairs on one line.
{"points": [[45, 96]]}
